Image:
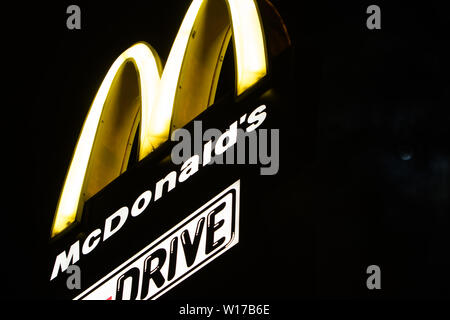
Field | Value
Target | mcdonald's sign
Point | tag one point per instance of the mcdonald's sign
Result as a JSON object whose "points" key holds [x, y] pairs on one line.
{"points": [[139, 98], [162, 94], [119, 136]]}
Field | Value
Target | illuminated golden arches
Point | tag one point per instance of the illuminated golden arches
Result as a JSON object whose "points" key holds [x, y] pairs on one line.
{"points": [[191, 72], [165, 100]]}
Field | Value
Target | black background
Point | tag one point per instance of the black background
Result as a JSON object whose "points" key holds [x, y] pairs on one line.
{"points": [[364, 173]]}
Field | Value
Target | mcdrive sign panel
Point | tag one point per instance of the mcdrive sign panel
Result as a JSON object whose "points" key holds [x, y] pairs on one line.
{"points": [[194, 242]]}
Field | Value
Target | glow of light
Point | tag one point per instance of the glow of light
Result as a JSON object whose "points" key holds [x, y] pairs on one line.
{"points": [[162, 113], [147, 62], [248, 42], [250, 53]]}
